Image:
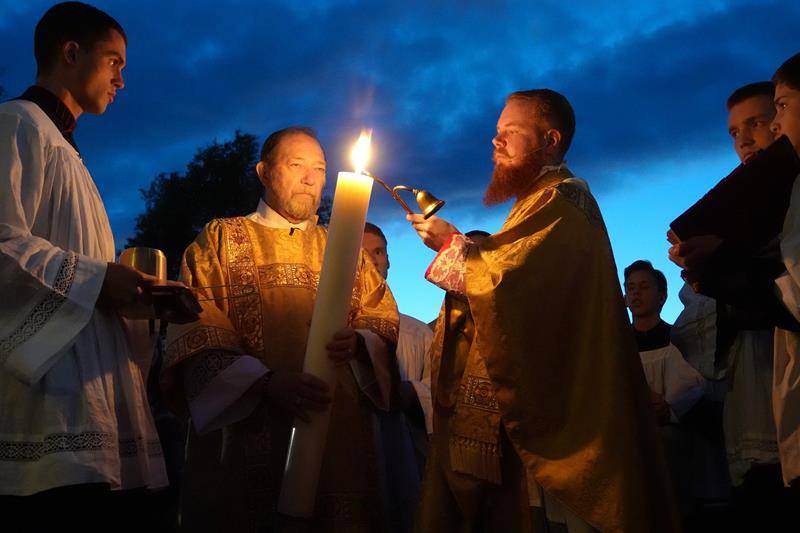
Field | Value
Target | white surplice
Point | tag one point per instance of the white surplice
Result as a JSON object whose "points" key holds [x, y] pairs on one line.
{"points": [[73, 405], [668, 374], [695, 332], [786, 377], [743, 380]]}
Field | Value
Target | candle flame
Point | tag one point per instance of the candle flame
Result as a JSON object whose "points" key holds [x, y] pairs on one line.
{"points": [[361, 151]]}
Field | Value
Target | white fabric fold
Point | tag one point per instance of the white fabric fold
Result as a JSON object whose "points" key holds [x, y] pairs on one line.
{"points": [[374, 379], [414, 362], [668, 374], [225, 400], [695, 332]]}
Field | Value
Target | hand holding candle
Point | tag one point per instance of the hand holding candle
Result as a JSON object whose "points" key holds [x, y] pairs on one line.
{"points": [[334, 295], [343, 345]]}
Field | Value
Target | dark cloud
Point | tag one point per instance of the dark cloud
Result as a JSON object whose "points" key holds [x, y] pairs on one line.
{"points": [[647, 83]]}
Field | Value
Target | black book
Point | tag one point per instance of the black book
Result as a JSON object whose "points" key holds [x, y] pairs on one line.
{"points": [[749, 205]]}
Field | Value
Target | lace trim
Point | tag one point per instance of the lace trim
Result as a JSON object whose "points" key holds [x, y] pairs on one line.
{"points": [[44, 310], [76, 442]]}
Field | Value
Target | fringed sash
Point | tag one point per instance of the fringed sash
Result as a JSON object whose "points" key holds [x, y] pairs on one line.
{"points": [[475, 424]]}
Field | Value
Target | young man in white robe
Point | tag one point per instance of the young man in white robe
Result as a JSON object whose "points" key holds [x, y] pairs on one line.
{"points": [[674, 384], [75, 427], [675, 387], [733, 349], [776, 299]]}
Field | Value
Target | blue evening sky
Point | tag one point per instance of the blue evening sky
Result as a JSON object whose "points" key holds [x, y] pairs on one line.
{"points": [[648, 81]]}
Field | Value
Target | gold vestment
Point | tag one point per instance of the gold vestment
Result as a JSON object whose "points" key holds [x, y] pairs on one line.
{"points": [[233, 476], [548, 373]]}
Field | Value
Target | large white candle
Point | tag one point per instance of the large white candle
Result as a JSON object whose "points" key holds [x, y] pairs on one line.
{"points": [[346, 229]]}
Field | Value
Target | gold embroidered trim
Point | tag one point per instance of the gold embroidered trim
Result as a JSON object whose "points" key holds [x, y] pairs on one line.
{"points": [[478, 392], [210, 365], [381, 326], [242, 273], [287, 275], [585, 202], [200, 339]]}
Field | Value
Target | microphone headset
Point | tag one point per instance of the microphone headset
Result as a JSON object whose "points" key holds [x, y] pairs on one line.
{"points": [[549, 141]]}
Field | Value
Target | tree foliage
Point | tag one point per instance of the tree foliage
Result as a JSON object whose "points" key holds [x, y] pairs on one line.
{"points": [[220, 181]]}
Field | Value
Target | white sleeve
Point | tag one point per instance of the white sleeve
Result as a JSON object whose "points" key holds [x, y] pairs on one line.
{"points": [[683, 385], [48, 294], [219, 388], [374, 378], [422, 380]]}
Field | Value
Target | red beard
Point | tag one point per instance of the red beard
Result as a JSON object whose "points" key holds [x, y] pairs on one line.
{"points": [[511, 181]]}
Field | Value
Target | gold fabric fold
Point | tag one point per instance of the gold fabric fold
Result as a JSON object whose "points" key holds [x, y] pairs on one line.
{"points": [[552, 329]]}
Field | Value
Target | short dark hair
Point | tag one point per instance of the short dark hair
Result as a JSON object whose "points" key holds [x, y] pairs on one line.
{"points": [[369, 227], [555, 109], [477, 233], [759, 88], [646, 266], [275, 138], [789, 73], [70, 21]]}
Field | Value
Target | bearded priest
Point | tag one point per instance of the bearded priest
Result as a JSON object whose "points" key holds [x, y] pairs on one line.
{"points": [[541, 417]]}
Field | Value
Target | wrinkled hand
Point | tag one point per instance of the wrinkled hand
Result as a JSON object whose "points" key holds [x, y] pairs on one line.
{"points": [[297, 393], [660, 407], [692, 253], [434, 231], [123, 292], [342, 348]]}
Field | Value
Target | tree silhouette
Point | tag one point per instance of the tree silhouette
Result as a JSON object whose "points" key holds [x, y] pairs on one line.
{"points": [[220, 181]]}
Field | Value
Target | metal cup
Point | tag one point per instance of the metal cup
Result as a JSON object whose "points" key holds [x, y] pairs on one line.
{"points": [[150, 261]]}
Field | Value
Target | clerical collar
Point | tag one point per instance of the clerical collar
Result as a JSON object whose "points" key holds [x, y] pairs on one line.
{"points": [[654, 338], [55, 110], [266, 216], [551, 168]]}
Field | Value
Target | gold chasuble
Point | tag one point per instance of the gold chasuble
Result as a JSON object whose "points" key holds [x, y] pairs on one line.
{"points": [[540, 401], [262, 284]]}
